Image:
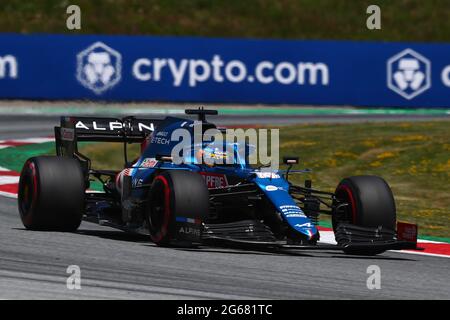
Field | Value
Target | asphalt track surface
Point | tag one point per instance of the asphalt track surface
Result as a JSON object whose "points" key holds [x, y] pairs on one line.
{"points": [[120, 266]]}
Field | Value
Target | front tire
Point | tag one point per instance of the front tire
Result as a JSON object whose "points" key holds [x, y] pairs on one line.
{"points": [[370, 204], [51, 194]]}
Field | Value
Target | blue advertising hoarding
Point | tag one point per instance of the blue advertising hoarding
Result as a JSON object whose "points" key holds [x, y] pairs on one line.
{"points": [[147, 68]]}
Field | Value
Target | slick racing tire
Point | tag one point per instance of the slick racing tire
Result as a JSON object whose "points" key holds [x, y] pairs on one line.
{"points": [[174, 193], [370, 204], [51, 194]]}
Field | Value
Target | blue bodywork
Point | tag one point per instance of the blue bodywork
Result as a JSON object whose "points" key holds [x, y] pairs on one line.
{"points": [[272, 184]]}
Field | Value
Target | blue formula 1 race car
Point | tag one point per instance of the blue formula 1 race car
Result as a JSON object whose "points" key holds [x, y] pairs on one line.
{"points": [[193, 203]]}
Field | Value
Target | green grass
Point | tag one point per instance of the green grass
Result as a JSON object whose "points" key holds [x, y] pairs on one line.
{"points": [[402, 20], [414, 158], [109, 155], [14, 158]]}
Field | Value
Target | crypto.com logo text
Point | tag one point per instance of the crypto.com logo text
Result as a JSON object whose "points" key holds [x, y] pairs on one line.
{"points": [[99, 68], [409, 74]]}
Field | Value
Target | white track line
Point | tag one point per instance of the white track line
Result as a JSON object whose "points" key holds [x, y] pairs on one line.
{"points": [[8, 195], [9, 179]]}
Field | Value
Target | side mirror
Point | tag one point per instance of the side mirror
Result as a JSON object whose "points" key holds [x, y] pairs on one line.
{"points": [[290, 160]]}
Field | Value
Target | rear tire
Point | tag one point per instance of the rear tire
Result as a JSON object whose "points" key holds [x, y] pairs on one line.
{"points": [[175, 193], [371, 204], [51, 194]]}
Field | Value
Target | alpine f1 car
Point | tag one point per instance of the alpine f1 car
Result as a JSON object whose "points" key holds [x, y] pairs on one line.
{"points": [[193, 203]]}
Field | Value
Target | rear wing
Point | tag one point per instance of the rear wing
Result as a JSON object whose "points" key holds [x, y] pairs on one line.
{"points": [[75, 129], [107, 129]]}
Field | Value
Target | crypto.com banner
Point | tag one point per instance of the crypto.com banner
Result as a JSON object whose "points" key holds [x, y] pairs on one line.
{"points": [[137, 68]]}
